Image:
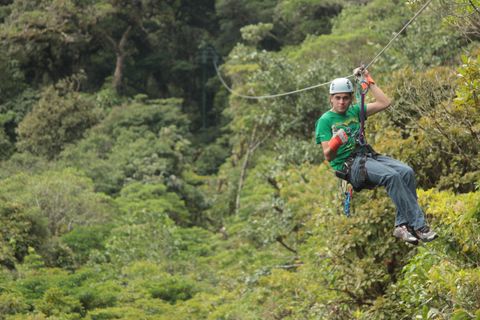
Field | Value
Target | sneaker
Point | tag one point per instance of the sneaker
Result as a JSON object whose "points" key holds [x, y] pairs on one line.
{"points": [[425, 234], [402, 233]]}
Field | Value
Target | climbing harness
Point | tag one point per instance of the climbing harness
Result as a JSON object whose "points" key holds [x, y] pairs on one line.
{"points": [[224, 83]]}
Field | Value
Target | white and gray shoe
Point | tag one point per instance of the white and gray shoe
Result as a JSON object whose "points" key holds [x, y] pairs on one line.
{"points": [[425, 234], [402, 233]]}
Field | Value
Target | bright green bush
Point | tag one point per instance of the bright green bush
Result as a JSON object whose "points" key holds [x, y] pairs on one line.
{"points": [[441, 280], [96, 295], [459, 216], [55, 303], [172, 289]]}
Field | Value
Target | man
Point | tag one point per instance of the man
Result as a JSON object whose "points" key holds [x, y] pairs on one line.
{"points": [[338, 131]]}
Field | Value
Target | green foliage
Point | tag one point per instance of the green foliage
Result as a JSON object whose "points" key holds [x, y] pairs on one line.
{"points": [[428, 42], [12, 113], [94, 295], [19, 230], [262, 209], [441, 280], [467, 91], [146, 230], [56, 120], [25, 163], [381, 17], [32, 284], [19, 106], [464, 16], [137, 197], [12, 303], [288, 21], [172, 289], [82, 240], [253, 34], [55, 303], [46, 38], [422, 113], [233, 15], [211, 157], [140, 141], [359, 32], [49, 205], [64, 198], [6, 145], [297, 19], [12, 78], [460, 216], [243, 221]]}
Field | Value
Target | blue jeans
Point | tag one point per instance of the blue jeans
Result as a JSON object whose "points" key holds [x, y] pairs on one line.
{"points": [[399, 181]]}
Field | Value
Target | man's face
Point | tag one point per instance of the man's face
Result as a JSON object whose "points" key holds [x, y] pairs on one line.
{"points": [[340, 102]]}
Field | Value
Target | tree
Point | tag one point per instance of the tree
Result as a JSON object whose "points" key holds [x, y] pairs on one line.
{"points": [[297, 19], [60, 117], [426, 104], [20, 229], [464, 15], [63, 199], [46, 38], [140, 141], [233, 15]]}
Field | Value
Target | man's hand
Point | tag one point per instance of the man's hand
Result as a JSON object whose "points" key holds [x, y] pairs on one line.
{"points": [[339, 138], [368, 80], [357, 72]]}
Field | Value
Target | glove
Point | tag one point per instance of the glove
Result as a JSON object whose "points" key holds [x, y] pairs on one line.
{"points": [[339, 138], [369, 79]]}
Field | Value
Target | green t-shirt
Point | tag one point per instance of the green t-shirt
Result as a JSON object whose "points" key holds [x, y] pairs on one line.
{"points": [[330, 122]]}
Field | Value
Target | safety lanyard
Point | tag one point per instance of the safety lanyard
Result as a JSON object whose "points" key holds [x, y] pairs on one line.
{"points": [[362, 87], [361, 136]]}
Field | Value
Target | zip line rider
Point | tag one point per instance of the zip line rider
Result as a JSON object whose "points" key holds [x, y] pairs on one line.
{"points": [[338, 131]]}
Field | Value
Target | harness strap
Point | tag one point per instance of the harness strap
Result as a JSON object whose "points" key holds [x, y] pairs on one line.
{"points": [[361, 137], [363, 152]]}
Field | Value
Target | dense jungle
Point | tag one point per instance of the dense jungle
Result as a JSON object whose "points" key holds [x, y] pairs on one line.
{"points": [[141, 179]]}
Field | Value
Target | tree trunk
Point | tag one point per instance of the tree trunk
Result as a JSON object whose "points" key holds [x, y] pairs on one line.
{"points": [[121, 54], [252, 146], [244, 170]]}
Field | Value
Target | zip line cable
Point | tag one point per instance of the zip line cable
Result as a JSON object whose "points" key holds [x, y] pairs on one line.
{"points": [[320, 84], [268, 95]]}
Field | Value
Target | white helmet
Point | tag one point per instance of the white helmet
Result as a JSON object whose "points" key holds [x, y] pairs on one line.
{"points": [[341, 85]]}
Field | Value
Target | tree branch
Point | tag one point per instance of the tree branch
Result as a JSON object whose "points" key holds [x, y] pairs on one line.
{"points": [[474, 6], [279, 239]]}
